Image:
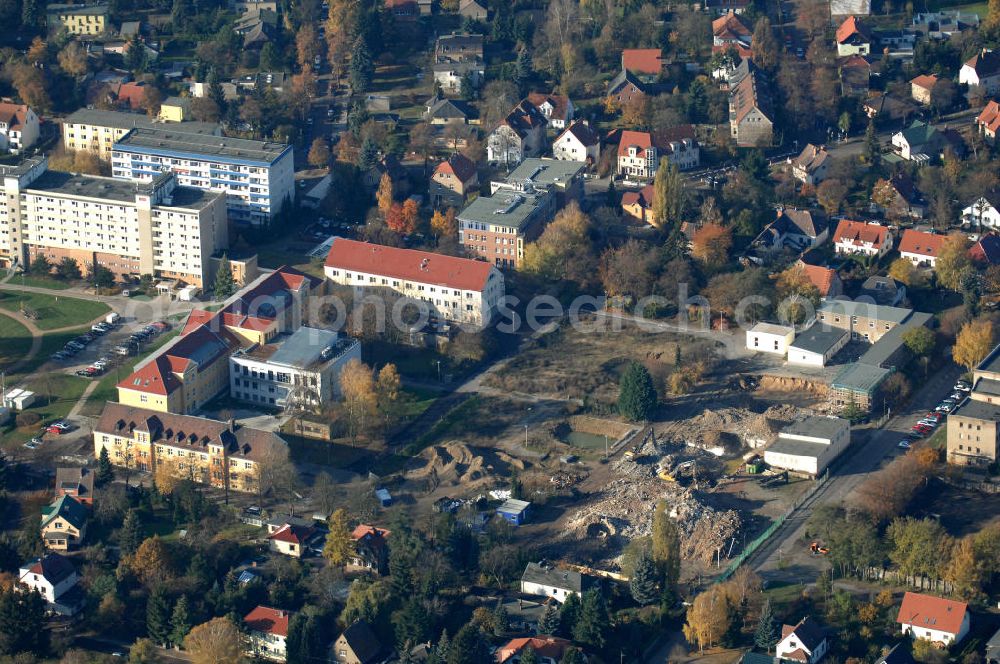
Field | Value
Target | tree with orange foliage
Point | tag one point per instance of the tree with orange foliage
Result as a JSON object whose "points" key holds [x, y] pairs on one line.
{"points": [[973, 343], [411, 214], [396, 220], [385, 194], [711, 244]]}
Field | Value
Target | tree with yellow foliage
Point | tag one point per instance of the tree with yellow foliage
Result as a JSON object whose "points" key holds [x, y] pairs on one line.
{"points": [[903, 271], [358, 388], [339, 544], [708, 618], [952, 260], [973, 343], [564, 251], [217, 641], [711, 244], [385, 194], [152, 563]]}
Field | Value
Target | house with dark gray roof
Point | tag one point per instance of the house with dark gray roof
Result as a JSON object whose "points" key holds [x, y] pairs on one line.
{"points": [[357, 645], [546, 580], [805, 642]]}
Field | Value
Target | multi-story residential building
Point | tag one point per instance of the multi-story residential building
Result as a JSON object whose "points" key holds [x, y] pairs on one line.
{"points": [[78, 19], [298, 369], [18, 127], [984, 212], [640, 152], [974, 427], [133, 229], [498, 227], [520, 134], [194, 368], [454, 289], [562, 178], [864, 320], [453, 180], [853, 38], [256, 176], [220, 454], [750, 110], [64, 524], [859, 237], [266, 633], [983, 70], [578, 142]]}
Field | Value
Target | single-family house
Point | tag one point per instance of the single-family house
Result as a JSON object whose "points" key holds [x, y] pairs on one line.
{"points": [[130, 96], [557, 109], [443, 111], [357, 645], [18, 127], [291, 539], [983, 70], [544, 579], [898, 654], [54, 577], [855, 76], [770, 338], [941, 621], [76, 482], [458, 57], [547, 649], [988, 121], [986, 251], [473, 10], [812, 164], [853, 38], [984, 212], [640, 152], [826, 280], [794, 229], [625, 87], [578, 142], [889, 108], [175, 109], [266, 633], [918, 142], [452, 181], [519, 135], [883, 290], [639, 204], [732, 31], [922, 88], [907, 200], [920, 247], [371, 550], [805, 642], [646, 63], [64, 524], [859, 237]]}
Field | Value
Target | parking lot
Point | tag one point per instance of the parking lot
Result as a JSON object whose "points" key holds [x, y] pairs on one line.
{"points": [[106, 346]]}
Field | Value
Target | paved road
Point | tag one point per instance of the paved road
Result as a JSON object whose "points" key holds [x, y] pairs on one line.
{"points": [[879, 450]]}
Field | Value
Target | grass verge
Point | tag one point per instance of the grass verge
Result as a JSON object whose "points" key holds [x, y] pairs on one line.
{"points": [[54, 311], [15, 342]]}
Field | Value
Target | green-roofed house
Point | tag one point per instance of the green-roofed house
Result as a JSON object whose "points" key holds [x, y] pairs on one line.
{"points": [[858, 383], [920, 138], [64, 523]]}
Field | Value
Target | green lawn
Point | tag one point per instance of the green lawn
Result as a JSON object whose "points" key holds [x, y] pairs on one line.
{"points": [[273, 257], [54, 311], [15, 342], [64, 391], [981, 8], [40, 282]]}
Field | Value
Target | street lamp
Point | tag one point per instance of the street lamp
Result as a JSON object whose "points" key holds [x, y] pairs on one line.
{"points": [[525, 436]]}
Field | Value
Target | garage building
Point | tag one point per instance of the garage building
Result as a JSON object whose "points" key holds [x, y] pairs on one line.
{"points": [[808, 446], [817, 345], [770, 338]]}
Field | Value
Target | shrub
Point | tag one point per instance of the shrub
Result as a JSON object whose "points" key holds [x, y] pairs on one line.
{"points": [[25, 420]]}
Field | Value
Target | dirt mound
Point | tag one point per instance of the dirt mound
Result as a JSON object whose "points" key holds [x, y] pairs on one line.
{"points": [[458, 463]]}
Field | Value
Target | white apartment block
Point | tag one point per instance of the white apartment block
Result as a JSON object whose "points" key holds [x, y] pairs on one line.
{"points": [[462, 290], [257, 177], [155, 228], [91, 130], [303, 367]]}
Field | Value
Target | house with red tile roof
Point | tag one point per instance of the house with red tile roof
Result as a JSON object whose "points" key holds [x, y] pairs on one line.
{"points": [[643, 61], [941, 621], [853, 38], [452, 181], [732, 31], [920, 247], [640, 152], [547, 649], [855, 76], [291, 539], [805, 642], [987, 250], [859, 237], [463, 290], [922, 88], [988, 121], [825, 279], [519, 135], [557, 109], [18, 127], [750, 108], [371, 550], [266, 633], [639, 204], [131, 96]]}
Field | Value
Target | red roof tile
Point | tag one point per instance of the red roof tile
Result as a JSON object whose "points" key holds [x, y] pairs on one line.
{"points": [[731, 26], [858, 232], [292, 534], [196, 318], [409, 264], [926, 81], [559, 103], [850, 27], [921, 243], [14, 115], [268, 621], [544, 646], [364, 529], [990, 117], [642, 60], [931, 612], [458, 165], [155, 377], [821, 277]]}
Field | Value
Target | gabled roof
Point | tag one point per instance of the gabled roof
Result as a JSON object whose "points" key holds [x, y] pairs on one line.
{"points": [[931, 612], [523, 118], [900, 654], [267, 621], [808, 632], [746, 96], [364, 530], [731, 26], [68, 508], [133, 93], [902, 183], [557, 578], [643, 197], [919, 133], [812, 158], [987, 250], [921, 243], [559, 103], [449, 109], [926, 81], [821, 277], [851, 27], [985, 63], [80, 480], [363, 642], [409, 264], [583, 133], [458, 165], [292, 534], [543, 646], [13, 115], [642, 60], [990, 117], [53, 567], [801, 222], [859, 232]]}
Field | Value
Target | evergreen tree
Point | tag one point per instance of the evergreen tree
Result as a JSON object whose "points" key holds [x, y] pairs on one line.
{"points": [[612, 201], [571, 656], [130, 536], [766, 634], [525, 71], [549, 622], [501, 621], [22, 623], [180, 621], [592, 626], [105, 471], [158, 617], [642, 585], [225, 285], [40, 265], [528, 656], [296, 649], [872, 152], [411, 623], [368, 155], [443, 646], [135, 56], [636, 394], [32, 14], [361, 69], [569, 614], [470, 647]]}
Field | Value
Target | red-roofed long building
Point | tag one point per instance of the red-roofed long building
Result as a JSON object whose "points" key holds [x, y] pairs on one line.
{"points": [[455, 289], [920, 248], [941, 621], [858, 237], [988, 121]]}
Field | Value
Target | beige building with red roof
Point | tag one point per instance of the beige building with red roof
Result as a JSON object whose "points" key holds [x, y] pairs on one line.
{"points": [[640, 152], [639, 204], [988, 121], [920, 248], [453, 289], [922, 88], [18, 127], [859, 237], [266, 633], [825, 279], [291, 539], [452, 181], [941, 621]]}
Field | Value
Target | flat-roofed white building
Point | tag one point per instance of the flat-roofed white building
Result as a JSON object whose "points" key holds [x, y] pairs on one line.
{"points": [[455, 289], [808, 446], [91, 130], [303, 366], [156, 228], [770, 338], [817, 345]]}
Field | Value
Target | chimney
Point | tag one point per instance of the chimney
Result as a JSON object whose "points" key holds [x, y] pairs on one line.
{"points": [[232, 424]]}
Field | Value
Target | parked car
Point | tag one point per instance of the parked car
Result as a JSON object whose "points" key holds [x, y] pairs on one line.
{"points": [[905, 444], [962, 386], [957, 396]]}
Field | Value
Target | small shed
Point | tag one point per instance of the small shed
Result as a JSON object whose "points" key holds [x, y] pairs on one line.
{"points": [[384, 498], [18, 399], [515, 511]]}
